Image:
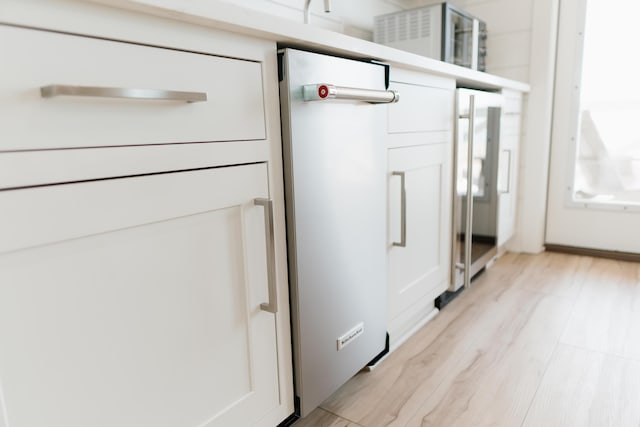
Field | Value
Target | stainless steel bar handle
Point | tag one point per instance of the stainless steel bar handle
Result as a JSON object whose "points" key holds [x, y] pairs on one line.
{"points": [[324, 91], [51, 91], [468, 234], [272, 305], [455, 205], [507, 188], [403, 210]]}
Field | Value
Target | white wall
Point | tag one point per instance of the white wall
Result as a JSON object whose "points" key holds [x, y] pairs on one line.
{"points": [[509, 41], [535, 152], [352, 17]]}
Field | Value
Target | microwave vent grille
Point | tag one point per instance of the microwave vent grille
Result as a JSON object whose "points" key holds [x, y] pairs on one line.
{"points": [[397, 27], [425, 23], [402, 27]]}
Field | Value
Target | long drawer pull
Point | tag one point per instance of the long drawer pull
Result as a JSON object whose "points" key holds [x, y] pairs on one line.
{"points": [[403, 210], [52, 91], [272, 305], [324, 91]]}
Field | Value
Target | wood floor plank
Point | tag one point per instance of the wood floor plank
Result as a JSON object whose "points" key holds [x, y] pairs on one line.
{"points": [[604, 318], [554, 273], [514, 349], [391, 395], [388, 396], [587, 388], [497, 388], [321, 418], [392, 383]]}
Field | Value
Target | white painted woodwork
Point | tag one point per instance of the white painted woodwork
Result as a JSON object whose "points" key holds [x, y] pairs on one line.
{"points": [[143, 308], [422, 109], [200, 54], [87, 17], [32, 59], [29, 168], [537, 120], [426, 105], [419, 272], [508, 164], [419, 137], [569, 222], [512, 102]]}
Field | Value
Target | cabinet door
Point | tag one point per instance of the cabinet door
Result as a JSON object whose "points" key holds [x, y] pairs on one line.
{"points": [[507, 175], [137, 302], [419, 266]]}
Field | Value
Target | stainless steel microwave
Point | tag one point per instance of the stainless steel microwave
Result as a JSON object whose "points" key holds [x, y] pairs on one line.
{"points": [[439, 31]]}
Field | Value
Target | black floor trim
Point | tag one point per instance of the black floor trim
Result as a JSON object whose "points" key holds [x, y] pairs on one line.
{"points": [[289, 421], [447, 297], [382, 353]]}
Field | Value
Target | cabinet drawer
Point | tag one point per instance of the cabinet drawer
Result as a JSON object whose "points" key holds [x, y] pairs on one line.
{"points": [[234, 109], [510, 124], [421, 109], [512, 102]]}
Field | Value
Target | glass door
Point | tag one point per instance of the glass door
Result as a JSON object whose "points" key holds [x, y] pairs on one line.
{"points": [[594, 187], [474, 239], [459, 33]]}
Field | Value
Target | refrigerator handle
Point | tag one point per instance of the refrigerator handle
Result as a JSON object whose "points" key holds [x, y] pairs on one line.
{"points": [[324, 91], [272, 305], [403, 210], [468, 233]]}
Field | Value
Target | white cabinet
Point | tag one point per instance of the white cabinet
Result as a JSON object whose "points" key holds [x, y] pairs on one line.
{"points": [[419, 158], [135, 263], [419, 265], [508, 156], [136, 302]]}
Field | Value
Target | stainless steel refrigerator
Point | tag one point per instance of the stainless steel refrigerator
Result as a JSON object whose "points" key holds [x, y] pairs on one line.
{"points": [[335, 195], [475, 205]]}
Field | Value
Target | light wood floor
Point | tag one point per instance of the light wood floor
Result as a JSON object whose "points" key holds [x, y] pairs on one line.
{"points": [[538, 341]]}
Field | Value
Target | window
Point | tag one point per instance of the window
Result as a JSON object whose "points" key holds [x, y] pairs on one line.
{"points": [[607, 168]]}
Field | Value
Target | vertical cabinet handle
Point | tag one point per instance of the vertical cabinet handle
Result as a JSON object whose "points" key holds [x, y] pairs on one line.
{"points": [[272, 305], [468, 234], [403, 210], [505, 188]]}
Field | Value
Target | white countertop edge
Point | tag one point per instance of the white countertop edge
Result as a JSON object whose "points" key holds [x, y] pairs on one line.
{"points": [[229, 17]]}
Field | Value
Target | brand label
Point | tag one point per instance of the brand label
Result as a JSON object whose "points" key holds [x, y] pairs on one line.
{"points": [[350, 336]]}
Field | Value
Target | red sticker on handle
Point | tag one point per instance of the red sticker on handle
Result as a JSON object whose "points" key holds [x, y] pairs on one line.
{"points": [[323, 91]]}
